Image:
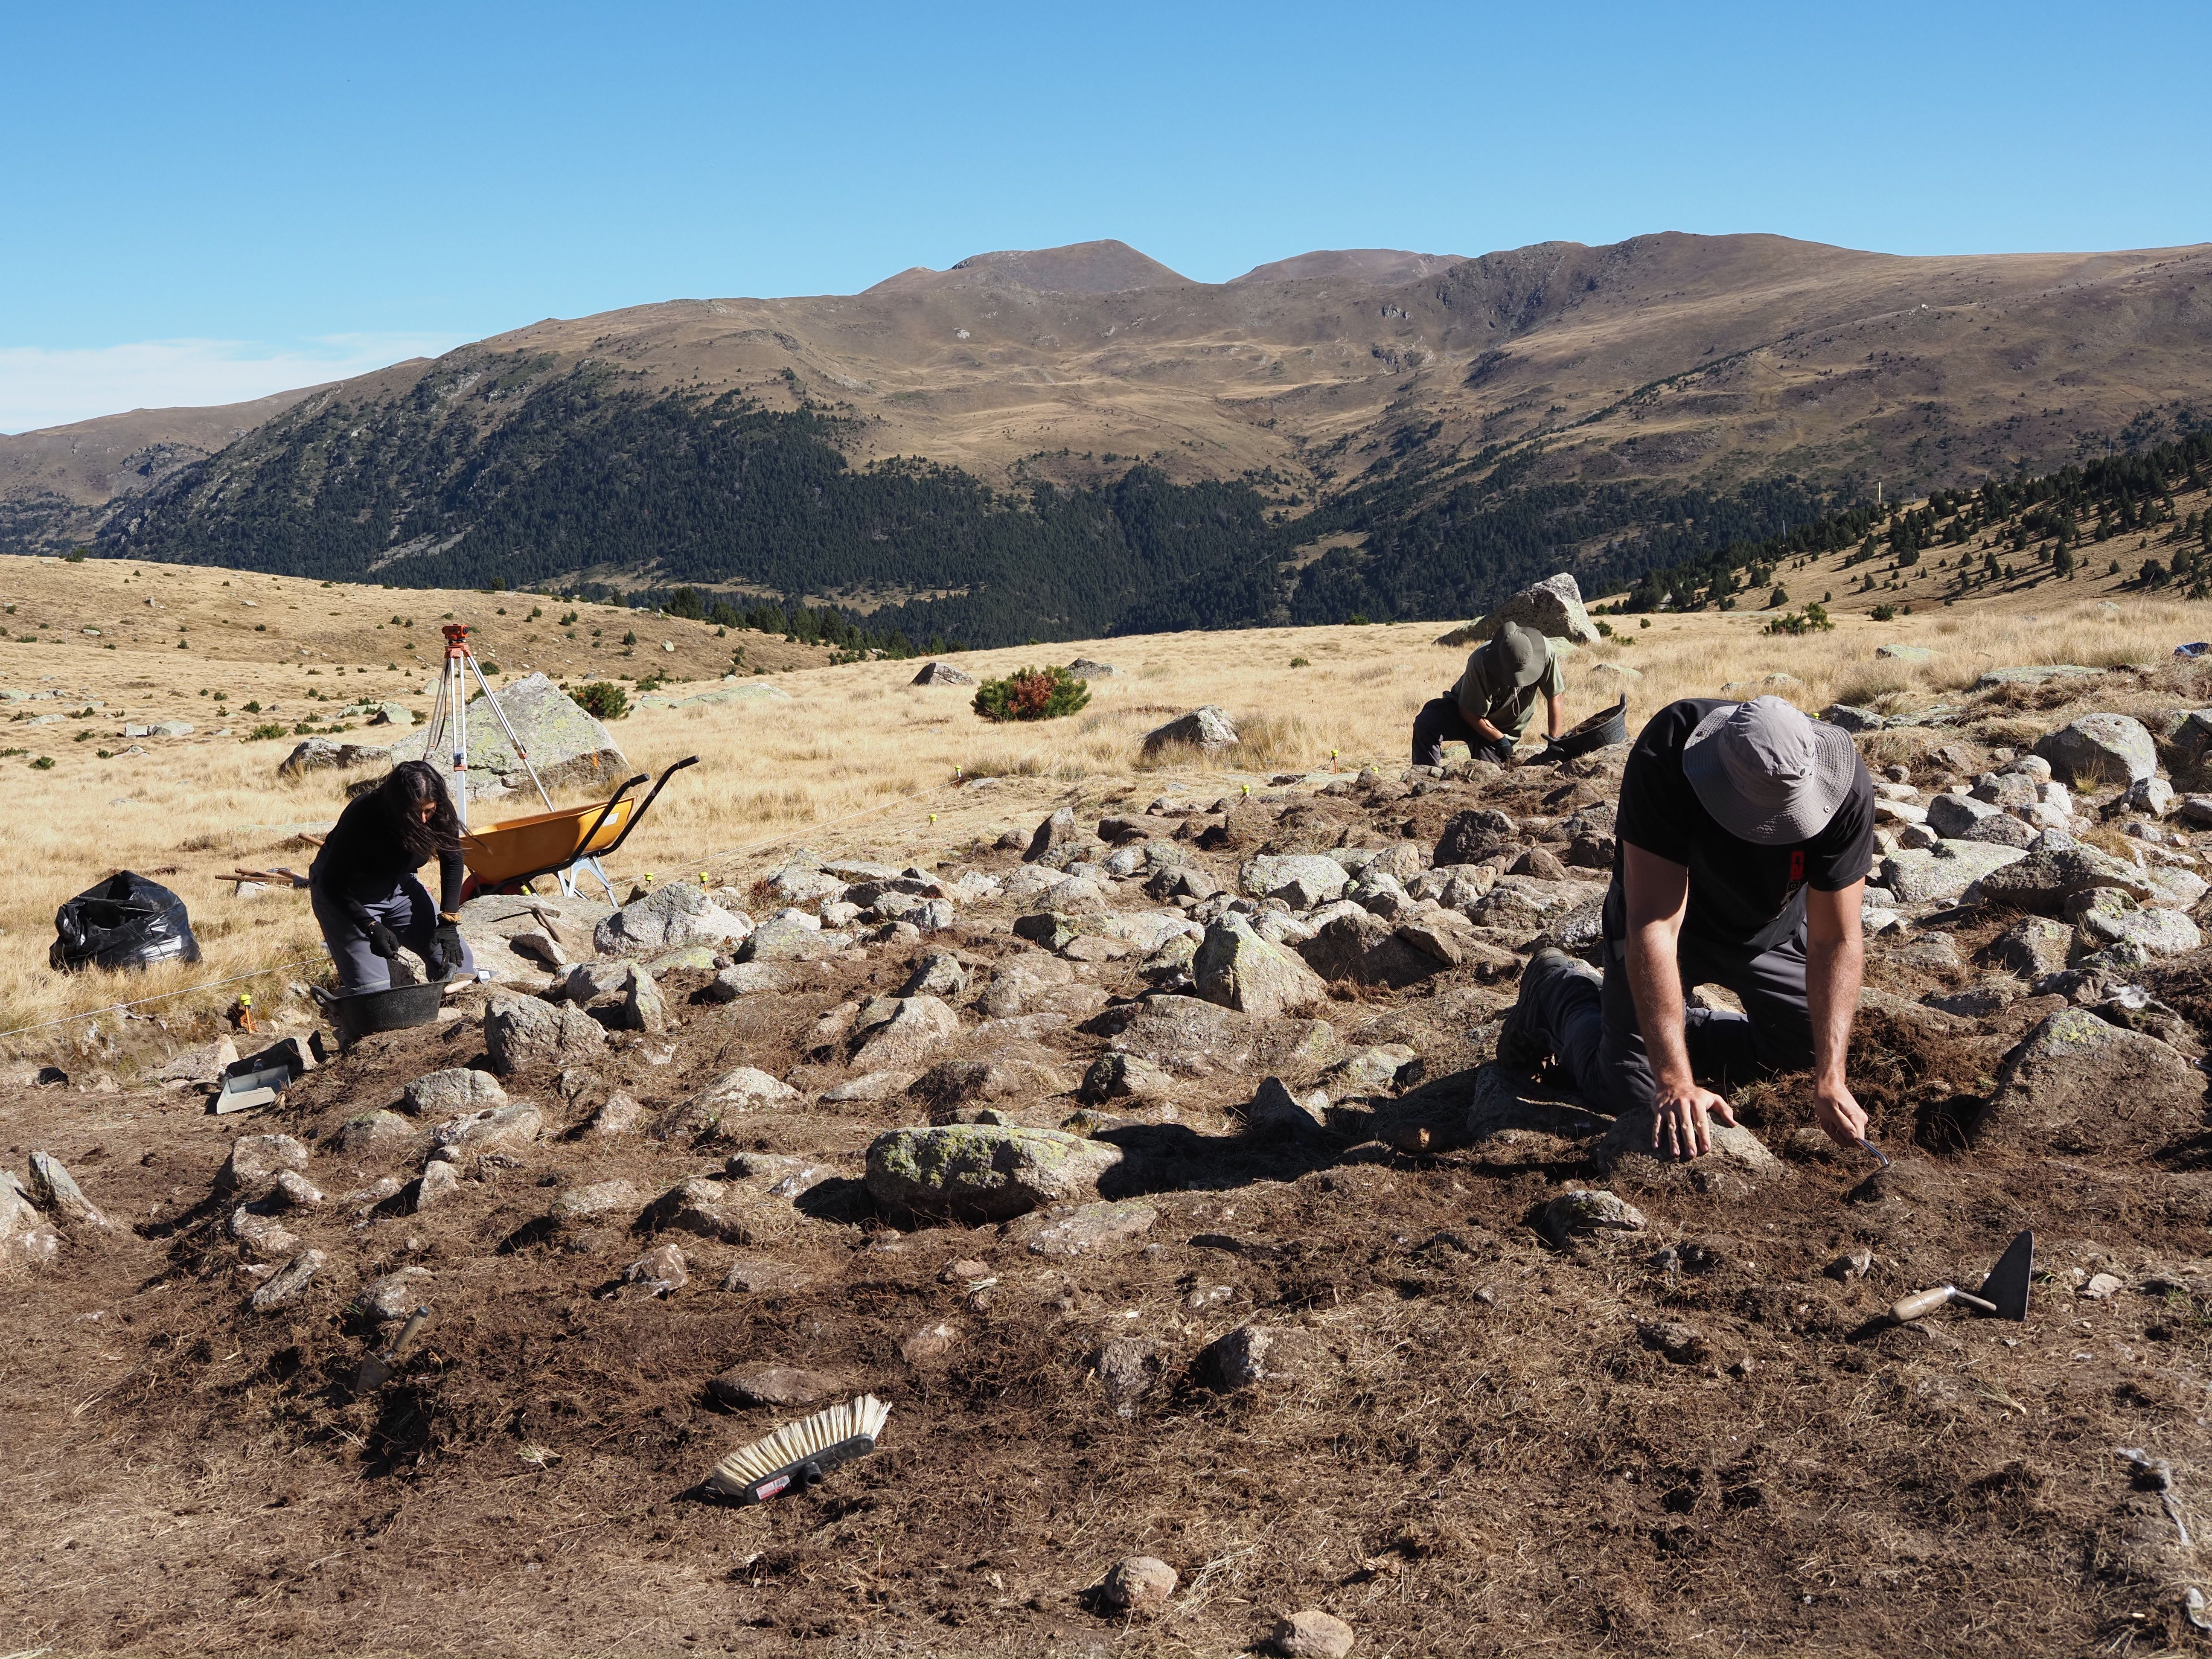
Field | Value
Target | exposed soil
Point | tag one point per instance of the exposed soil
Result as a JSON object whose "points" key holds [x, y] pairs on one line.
{"points": [[1488, 1451]]}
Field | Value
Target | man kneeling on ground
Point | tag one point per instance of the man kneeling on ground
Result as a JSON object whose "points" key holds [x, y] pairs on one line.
{"points": [[1489, 707], [1743, 839]]}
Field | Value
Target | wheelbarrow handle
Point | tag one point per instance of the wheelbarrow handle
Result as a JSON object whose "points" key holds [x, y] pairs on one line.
{"points": [[645, 805]]}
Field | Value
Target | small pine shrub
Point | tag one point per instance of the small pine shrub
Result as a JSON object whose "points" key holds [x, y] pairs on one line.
{"points": [[601, 700], [1031, 694]]}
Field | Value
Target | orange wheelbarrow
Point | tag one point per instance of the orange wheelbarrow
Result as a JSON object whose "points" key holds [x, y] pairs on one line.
{"points": [[506, 858]]}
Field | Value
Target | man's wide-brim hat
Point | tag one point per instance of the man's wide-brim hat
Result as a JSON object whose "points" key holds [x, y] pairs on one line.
{"points": [[1767, 774], [1517, 656]]}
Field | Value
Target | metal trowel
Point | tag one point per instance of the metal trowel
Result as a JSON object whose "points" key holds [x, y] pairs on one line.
{"points": [[2006, 1288]]}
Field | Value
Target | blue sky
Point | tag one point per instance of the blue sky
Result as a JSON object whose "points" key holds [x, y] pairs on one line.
{"points": [[205, 203]]}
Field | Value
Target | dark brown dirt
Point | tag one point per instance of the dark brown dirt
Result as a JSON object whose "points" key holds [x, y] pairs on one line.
{"points": [[1485, 1454]]}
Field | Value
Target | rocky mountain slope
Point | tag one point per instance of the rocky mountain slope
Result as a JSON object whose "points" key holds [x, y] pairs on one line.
{"points": [[1723, 383]]}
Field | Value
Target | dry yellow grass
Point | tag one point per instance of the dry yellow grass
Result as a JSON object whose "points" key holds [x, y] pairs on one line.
{"points": [[856, 760]]}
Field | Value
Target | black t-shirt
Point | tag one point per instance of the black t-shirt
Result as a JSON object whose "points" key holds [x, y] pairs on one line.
{"points": [[1741, 895], [362, 860]]}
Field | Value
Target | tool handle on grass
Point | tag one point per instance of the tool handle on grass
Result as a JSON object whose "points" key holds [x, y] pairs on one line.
{"points": [[1921, 1303]]}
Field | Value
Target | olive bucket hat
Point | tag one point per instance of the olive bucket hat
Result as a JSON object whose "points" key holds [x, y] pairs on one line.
{"points": [[1766, 774], [1516, 656]]}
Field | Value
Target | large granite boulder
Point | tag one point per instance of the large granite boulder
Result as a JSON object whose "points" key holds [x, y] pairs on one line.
{"points": [[1300, 880], [2044, 883], [2076, 1084], [569, 748], [942, 673], [321, 755], [1553, 607], [981, 1172], [1205, 728]]}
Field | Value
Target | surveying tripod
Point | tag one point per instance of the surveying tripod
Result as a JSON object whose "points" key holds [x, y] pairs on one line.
{"points": [[449, 717]]}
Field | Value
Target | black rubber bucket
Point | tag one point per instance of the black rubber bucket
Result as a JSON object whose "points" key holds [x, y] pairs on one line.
{"points": [[1601, 731], [365, 1013]]}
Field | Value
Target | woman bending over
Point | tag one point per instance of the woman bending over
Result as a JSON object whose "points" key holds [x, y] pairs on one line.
{"points": [[363, 888]]}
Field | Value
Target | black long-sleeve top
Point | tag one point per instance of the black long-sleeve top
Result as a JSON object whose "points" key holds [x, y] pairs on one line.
{"points": [[361, 859]]}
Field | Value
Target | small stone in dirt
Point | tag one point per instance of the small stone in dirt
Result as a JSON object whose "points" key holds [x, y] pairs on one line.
{"points": [[643, 1009], [759, 1277], [957, 1273], [1055, 832], [1128, 1367], [54, 1190], [1857, 1264], [1275, 1111], [619, 1114], [1138, 1583], [659, 1272], [1312, 1634], [1253, 1354], [438, 1181], [496, 1129], [293, 1190], [455, 1089], [394, 1295], [288, 1284], [1595, 1211], [931, 1342], [869, 1085], [596, 1199], [254, 1160], [1677, 1343], [909, 1028], [2100, 1286], [772, 1385]]}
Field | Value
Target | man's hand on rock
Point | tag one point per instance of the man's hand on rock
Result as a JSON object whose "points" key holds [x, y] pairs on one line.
{"points": [[1840, 1113], [1678, 1124]]}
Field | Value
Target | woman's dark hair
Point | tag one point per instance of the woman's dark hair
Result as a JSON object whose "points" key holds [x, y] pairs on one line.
{"points": [[411, 783]]}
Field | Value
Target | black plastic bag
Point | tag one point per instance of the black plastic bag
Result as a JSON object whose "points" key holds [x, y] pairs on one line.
{"points": [[127, 922]]}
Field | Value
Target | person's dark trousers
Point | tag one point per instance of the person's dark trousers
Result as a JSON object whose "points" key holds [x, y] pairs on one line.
{"points": [[1440, 722], [1594, 1036], [406, 910]]}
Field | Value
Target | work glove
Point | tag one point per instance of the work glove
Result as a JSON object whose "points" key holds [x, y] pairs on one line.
{"points": [[383, 941], [444, 958]]}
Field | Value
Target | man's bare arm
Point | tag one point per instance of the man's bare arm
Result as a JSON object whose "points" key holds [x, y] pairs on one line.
{"points": [[1657, 893], [1835, 961], [1555, 715]]}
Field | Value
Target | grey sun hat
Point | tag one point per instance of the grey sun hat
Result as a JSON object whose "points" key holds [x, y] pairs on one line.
{"points": [[1517, 655], [1766, 774]]}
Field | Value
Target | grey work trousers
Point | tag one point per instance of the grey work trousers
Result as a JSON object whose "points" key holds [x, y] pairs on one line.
{"points": [[406, 910], [1596, 1040]]}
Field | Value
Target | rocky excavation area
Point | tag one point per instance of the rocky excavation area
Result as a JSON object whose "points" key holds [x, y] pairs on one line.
{"points": [[1155, 1167]]}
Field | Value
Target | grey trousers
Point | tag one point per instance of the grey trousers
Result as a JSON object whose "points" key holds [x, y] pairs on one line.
{"points": [[407, 911], [1596, 1040]]}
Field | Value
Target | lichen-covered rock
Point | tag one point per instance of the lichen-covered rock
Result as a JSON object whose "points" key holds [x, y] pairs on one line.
{"points": [[1470, 837], [895, 1032], [1120, 1076], [984, 1172], [1592, 1212], [591, 1200], [2076, 1083], [668, 919], [942, 673], [2112, 749], [643, 1007], [2031, 947], [321, 755], [1921, 875], [522, 1032], [1186, 1036], [374, 1132], [1951, 816], [1553, 607], [455, 1089], [254, 1160], [2112, 918], [262, 1237], [746, 1088], [1300, 880], [710, 1209], [1237, 969], [2044, 882], [508, 1128]]}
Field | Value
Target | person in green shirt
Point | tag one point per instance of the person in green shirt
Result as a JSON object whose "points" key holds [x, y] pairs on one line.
{"points": [[1489, 708]]}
